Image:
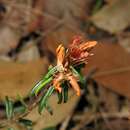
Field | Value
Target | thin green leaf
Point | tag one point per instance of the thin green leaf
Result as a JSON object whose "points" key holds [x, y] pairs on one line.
{"points": [[43, 84], [9, 107], [77, 74], [65, 92], [79, 67], [46, 79], [26, 122], [51, 72], [20, 109], [45, 98], [37, 88], [22, 101], [60, 97], [49, 109]]}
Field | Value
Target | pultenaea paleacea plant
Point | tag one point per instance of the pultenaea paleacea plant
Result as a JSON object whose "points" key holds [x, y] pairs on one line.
{"points": [[65, 73]]}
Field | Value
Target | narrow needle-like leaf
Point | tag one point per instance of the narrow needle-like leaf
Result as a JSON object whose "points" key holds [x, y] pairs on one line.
{"points": [[51, 72], [40, 85], [26, 122], [77, 74], [9, 108], [60, 97], [47, 78], [22, 101], [44, 99], [65, 93], [49, 109]]}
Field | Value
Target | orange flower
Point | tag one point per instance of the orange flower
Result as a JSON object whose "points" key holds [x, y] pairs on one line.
{"points": [[57, 81], [60, 78], [79, 50], [60, 52], [87, 46], [72, 80], [77, 53]]}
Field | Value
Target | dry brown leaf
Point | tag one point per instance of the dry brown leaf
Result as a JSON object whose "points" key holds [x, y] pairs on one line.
{"points": [[124, 40], [19, 78], [29, 54], [8, 39], [18, 14], [113, 64], [62, 21], [114, 17]]}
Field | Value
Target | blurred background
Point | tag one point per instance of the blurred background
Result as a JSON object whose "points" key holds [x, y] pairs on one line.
{"points": [[31, 30]]}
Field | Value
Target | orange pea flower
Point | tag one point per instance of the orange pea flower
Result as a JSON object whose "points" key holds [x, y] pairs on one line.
{"points": [[77, 53]]}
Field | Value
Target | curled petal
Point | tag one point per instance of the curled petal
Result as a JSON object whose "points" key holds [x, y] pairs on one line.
{"points": [[60, 51], [88, 45], [74, 84], [84, 55], [79, 51], [58, 87], [57, 81], [76, 40], [75, 52]]}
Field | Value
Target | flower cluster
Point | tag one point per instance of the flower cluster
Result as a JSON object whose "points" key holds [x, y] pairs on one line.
{"points": [[77, 53], [64, 73], [58, 78]]}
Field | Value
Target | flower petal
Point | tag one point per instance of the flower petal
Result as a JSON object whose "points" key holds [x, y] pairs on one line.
{"points": [[57, 82], [77, 40], [60, 51], [58, 87], [88, 45], [74, 84]]}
